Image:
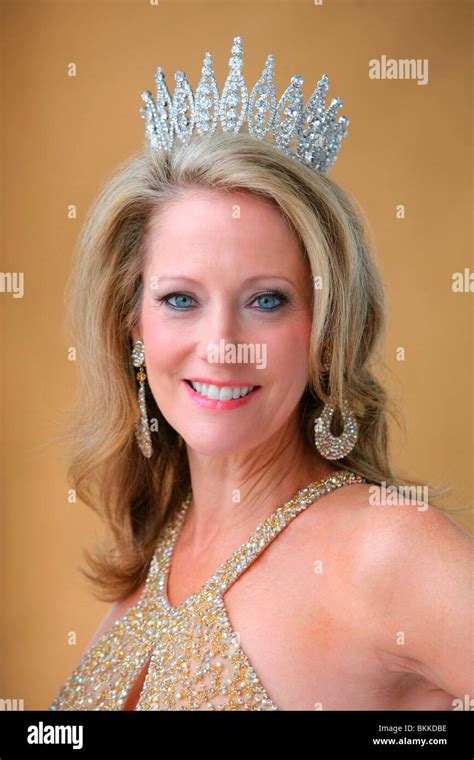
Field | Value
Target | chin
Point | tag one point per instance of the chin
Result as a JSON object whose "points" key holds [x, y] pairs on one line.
{"points": [[215, 445]]}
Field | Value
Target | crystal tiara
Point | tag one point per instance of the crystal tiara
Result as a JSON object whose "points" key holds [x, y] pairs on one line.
{"points": [[315, 133]]}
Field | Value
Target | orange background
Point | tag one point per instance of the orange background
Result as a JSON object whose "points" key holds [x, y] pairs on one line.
{"points": [[408, 144]]}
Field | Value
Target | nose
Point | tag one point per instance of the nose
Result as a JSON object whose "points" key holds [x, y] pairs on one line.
{"points": [[219, 327]]}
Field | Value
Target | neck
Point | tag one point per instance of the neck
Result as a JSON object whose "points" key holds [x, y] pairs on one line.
{"points": [[232, 494]]}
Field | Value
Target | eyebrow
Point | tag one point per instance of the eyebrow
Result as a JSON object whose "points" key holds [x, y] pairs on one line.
{"points": [[248, 281]]}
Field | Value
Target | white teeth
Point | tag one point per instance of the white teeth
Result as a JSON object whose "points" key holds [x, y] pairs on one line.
{"points": [[226, 393]]}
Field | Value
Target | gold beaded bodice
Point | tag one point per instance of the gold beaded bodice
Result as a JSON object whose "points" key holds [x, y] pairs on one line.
{"points": [[195, 660]]}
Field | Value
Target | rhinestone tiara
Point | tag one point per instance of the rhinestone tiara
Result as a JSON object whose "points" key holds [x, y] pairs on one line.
{"points": [[310, 134]]}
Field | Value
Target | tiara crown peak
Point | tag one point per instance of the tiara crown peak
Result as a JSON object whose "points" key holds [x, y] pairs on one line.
{"points": [[310, 134]]}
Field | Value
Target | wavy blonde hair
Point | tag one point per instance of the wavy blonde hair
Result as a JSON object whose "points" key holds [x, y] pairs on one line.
{"points": [[133, 494]]}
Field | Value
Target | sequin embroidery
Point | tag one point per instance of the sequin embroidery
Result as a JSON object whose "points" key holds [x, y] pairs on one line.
{"points": [[195, 658]]}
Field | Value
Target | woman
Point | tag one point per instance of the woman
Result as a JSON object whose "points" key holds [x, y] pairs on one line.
{"points": [[253, 562]]}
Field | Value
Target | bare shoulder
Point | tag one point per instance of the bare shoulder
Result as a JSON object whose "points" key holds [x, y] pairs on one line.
{"points": [[116, 611], [413, 568], [392, 527], [393, 535]]}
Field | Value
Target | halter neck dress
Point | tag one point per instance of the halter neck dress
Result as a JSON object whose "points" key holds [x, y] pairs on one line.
{"points": [[194, 655]]}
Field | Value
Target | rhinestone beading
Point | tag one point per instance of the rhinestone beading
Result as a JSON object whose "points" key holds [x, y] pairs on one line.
{"points": [[195, 658], [315, 133]]}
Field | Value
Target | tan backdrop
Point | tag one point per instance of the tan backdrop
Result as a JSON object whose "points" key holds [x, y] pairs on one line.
{"points": [[409, 144]]}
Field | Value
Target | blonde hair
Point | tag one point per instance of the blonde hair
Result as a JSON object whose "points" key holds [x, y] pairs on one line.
{"points": [[133, 494]]}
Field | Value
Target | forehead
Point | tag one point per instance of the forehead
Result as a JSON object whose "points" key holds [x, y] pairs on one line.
{"points": [[229, 238], [217, 216]]}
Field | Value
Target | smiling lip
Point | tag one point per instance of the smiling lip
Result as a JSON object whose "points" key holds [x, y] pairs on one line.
{"points": [[229, 383], [218, 404]]}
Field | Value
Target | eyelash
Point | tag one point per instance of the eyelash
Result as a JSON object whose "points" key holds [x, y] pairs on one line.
{"points": [[282, 294]]}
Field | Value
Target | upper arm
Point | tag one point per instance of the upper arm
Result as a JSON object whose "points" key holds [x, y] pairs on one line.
{"points": [[420, 579], [114, 613]]}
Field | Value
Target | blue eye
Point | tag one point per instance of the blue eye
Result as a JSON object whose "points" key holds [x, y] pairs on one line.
{"points": [[280, 295], [268, 296], [179, 296]]}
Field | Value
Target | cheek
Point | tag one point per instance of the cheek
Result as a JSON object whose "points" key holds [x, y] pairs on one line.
{"points": [[162, 349], [162, 360], [288, 350]]}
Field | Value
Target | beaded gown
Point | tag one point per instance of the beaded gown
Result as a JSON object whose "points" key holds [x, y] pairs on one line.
{"points": [[195, 660]]}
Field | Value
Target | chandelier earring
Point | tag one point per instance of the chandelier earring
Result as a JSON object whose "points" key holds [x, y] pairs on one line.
{"points": [[330, 446], [142, 429]]}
